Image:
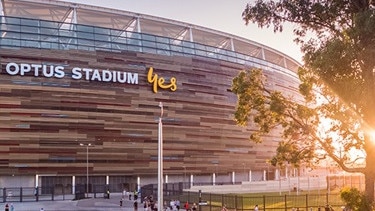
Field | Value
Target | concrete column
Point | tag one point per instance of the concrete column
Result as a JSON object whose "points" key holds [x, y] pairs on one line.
{"points": [[36, 180], [73, 184], [233, 177], [286, 172], [191, 34], [265, 175], [277, 174], [138, 183]]}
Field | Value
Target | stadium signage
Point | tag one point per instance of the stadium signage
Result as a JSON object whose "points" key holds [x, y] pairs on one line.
{"points": [[78, 73], [159, 82]]}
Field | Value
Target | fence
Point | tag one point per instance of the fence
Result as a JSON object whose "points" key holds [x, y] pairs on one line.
{"points": [[215, 202], [30, 194], [206, 201], [247, 202]]}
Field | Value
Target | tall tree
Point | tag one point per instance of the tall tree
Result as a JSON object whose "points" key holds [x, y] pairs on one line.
{"points": [[337, 117]]}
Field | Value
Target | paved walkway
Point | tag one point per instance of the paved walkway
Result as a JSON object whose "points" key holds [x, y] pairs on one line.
{"points": [[92, 204]]}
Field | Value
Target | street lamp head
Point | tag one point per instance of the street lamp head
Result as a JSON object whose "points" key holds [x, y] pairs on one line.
{"points": [[161, 109], [85, 145]]}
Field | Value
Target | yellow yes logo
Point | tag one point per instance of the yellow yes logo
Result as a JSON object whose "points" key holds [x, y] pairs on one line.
{"points": [[158, 82]]}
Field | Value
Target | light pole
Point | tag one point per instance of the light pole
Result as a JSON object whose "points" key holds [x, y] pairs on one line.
{"points": [[87, 166], [244, 172], [183, 185], [160, 159]]}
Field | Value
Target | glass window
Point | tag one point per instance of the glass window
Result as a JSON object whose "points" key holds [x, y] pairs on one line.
{"points": [[149, 44], [115, 33], [66, 33], [188, 50], [10, 42], [48, 24], [30, 22], [200, 47], [119, 46], [176, 48], [164, 52], [162, 46], [134, 42], [85, 42], [28, 43], [177, 53], [148, 37], [15, 35], [211, 49], [29, 29], [162, 40], [103, 31], [82, 28], [49, 31], [149, 50], [15, 21], [102, 37], [47, 45], [84, 35], [102, 44], [134, 48], [120, 40], [222, 57], [13, 28], [133, 35], [187, 44], [27, 36], [201, 53]]}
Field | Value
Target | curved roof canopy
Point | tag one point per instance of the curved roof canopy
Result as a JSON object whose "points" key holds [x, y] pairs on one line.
{"points": [[66, 12]]}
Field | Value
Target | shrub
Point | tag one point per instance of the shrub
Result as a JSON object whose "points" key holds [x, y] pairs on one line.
{"points": [[354, 199]]}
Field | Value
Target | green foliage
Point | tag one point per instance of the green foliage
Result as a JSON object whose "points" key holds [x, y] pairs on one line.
{"points": [[274, 111], [337, 81], [354, 199]]}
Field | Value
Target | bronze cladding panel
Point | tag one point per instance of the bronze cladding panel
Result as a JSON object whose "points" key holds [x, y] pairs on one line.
{"points": [[43, 120]]}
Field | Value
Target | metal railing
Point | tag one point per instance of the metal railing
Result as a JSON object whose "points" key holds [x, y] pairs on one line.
{"points": [[205, 201], [18, 32]]}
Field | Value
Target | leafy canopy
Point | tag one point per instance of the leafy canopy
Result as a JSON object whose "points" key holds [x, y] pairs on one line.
{"points": [[337, 116]]}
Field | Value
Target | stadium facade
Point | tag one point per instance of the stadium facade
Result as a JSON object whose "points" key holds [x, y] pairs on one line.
{"points": [[76, 75]]}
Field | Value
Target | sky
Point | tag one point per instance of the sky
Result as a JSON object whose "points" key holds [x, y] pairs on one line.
{"points": [[221, 15]]}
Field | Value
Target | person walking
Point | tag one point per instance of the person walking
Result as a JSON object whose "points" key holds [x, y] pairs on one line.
{"points": [[186, 206], [256, 208], [194, 207], [7, 207], [224, 208], [135, 195], [108, 193]]}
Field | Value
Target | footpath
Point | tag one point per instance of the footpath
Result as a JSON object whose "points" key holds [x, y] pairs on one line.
{"points": [[89, 204]]}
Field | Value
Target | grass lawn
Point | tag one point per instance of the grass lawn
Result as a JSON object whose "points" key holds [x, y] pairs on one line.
{"points": [[271, 201]]}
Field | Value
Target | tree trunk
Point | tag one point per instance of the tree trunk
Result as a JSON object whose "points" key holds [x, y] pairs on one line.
{"points": [[369, 189], [370, 168], [369, 120]]}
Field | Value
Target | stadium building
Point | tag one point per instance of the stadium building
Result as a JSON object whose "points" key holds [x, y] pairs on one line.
{"points": [[80, 88]]}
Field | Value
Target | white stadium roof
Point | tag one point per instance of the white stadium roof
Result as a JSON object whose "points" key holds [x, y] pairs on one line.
{"points": [[66, 12]]}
